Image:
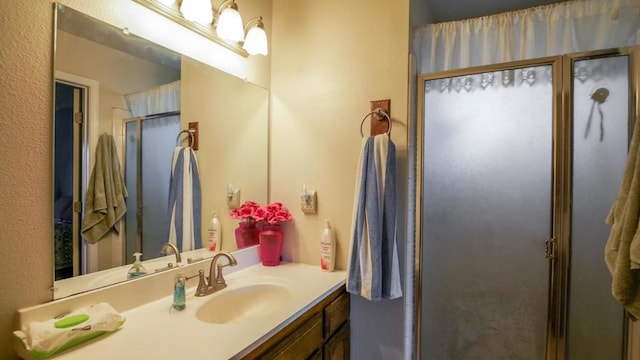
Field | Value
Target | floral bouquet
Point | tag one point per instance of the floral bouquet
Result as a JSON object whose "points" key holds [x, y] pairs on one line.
{"points": [[249, 211], [276, 213]]}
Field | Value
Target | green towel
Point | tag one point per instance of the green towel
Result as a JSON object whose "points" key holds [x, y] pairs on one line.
{"points": [[622, 251], [105, 200]]}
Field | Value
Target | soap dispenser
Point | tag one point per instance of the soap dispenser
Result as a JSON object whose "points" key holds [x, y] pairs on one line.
{"points": [[137, 269], [179, 292]]}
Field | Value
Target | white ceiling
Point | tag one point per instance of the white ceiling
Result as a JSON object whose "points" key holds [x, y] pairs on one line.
{"points": [[449, 10]]}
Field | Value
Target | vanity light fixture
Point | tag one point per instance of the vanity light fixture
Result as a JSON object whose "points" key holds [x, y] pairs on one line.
{"points": [[222, 25], [255, 41]]}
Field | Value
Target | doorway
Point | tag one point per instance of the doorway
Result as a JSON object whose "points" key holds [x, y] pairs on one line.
{"points": [[518, 166], [67, 183]]}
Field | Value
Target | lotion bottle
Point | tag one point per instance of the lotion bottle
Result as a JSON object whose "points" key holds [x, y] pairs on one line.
{"points": [[214, 232], [327, 248]]}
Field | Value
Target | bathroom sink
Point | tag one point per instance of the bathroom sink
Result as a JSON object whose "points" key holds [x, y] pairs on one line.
{"points": [[243, 303]]}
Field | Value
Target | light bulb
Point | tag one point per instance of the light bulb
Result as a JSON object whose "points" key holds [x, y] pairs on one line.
{"points": [[197, 10], [256, 41], [229, 26]]}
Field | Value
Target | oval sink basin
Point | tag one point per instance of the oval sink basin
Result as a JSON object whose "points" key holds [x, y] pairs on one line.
{"points": [[243, 304]]}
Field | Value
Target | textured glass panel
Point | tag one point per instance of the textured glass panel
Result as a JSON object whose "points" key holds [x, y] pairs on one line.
{"points": [[130, 179], [600, 96], [158, 143], [486, 214]]}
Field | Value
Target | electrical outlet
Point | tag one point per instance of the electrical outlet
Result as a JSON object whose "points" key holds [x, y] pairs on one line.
{"points": [[309, 203], [234, 201]]}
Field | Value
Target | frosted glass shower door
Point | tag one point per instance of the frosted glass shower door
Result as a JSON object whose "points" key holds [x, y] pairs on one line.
{"points": [[600, 108], [158, 143], [149, 150], [486, 214]]}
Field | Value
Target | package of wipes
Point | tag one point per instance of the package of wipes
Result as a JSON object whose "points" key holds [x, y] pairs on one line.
{"points": [[44, 339]]}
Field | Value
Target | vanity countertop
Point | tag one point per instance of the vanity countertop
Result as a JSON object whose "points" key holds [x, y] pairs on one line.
{"points": [[156, 331]]}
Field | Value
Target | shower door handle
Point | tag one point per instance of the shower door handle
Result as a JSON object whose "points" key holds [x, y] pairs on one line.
{"points": [[550, 248]]}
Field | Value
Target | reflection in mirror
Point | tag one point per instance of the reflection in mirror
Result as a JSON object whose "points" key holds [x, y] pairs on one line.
{"points": [[108, 81]]}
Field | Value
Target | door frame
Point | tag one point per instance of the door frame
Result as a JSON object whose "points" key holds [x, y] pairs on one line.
{"points": [[85, 258]]}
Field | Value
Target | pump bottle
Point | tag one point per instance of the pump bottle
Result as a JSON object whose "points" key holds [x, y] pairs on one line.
{"points": [[137, 269], [179, 292], [214, 232], [327, 248]]}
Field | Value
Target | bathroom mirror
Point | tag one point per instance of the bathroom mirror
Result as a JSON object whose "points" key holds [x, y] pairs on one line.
{"points": [[101, 72]]}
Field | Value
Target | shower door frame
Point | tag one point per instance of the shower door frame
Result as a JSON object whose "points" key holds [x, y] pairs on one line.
{"points": [[559, 263]]}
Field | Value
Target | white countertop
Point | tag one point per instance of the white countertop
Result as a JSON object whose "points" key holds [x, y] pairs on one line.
{"points": [[156, 331]]}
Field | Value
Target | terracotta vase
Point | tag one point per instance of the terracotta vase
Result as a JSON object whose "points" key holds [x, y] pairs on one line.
{"points": [[246, 234], [271, 237]]}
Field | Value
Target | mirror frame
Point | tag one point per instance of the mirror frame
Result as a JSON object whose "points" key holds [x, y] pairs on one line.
{"points": [[88, 286]]}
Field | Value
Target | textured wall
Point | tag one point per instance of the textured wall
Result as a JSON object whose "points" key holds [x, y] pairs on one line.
{"points": [[330, 58], [25, 168]]}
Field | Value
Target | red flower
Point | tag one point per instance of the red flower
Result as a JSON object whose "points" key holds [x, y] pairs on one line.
{"points": [[276, 213], [248, 211], [273, 213]]}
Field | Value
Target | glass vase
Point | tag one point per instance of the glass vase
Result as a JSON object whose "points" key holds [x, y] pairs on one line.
{"points": [[246, 234], [271, 237]]}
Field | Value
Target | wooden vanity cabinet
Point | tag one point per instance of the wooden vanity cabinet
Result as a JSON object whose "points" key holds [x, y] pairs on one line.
{"points": [[322, 333]]}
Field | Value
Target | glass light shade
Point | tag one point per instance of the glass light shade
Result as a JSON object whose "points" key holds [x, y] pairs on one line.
{"points": [[197, 10], [166, 2], [256, 41], [229, 25]]}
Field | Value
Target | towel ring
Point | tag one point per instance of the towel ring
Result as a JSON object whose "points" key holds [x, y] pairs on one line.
{"points": [[190, 132], [379, 114]]}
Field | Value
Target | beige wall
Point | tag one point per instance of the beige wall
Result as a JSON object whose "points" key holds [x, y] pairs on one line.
{"points": [[25, 168], [330, 58], [26, 128], [233, 130]]}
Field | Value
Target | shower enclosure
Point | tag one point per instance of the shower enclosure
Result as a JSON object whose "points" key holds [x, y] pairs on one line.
{"points": [[149, 144], [518, 166]]}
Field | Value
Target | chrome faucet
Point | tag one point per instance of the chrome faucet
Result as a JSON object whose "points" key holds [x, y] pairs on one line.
{"points": [[216, 279], [175, 250]]}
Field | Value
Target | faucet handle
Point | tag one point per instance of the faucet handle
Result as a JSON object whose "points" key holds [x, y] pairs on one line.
{"points": [[202, 288], [220, 282]]}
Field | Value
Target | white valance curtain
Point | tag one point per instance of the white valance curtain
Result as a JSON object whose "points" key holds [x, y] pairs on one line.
{"points": [[156, 100], [572, 26]]}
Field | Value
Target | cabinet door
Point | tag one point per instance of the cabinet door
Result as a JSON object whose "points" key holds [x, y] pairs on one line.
{"points": [[335, 314], [338, 347], [300, 344]]}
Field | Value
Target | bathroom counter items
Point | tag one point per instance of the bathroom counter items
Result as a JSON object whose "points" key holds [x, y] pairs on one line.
{"points": [[43, 339], [258, 302]]}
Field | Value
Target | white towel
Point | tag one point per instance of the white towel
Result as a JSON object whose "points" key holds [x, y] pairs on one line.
{"points": [[185, 201], [374, 271], [44, 339]]}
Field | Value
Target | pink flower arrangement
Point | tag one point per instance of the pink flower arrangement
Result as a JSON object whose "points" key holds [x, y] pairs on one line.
{"points": [[276, 213], [251, 211]]}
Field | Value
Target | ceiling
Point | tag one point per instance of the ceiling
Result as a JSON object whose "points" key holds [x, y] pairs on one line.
{"points": [[449, 10]]}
